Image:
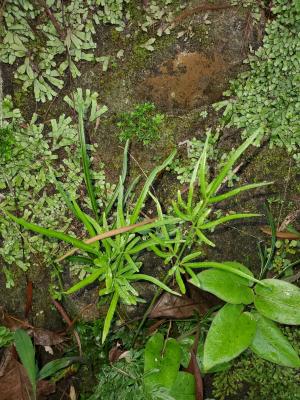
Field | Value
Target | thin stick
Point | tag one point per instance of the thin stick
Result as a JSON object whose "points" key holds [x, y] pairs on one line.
{"points": [[109, 234]]}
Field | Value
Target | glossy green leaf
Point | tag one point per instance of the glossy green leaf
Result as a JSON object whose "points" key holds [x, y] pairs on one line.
{"points": [[279, 301], [26, 353], [162, 362], [184, 387], [270, 343], [231, 332], [225, 285]]}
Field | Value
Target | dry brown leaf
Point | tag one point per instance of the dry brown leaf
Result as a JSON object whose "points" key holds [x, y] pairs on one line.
{"points": [[14, 382], [42, 337], [280, 234], [115, 353], [172, 306], [72, 393], [152, 328]]}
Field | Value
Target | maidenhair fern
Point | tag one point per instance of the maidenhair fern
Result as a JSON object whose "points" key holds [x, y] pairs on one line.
{"points": [[266, 97], [56, 43]]}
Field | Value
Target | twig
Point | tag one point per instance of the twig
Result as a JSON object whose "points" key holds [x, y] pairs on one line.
{"points": [[109, 234], [53, 19], [68, 321]]}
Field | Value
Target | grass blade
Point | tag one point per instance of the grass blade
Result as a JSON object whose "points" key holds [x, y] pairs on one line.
{"points": [[86, 163], [223, 267], [202, 169], [110, 315], [53, 234], [216, 183], [120, 213], [237, 191], [26, 353], [123, 175], [131, 188], [192, 184], [86, 281], [273, 241], [65, 195], [84, 219], [148, 183], [222, 220], [148, 278]]}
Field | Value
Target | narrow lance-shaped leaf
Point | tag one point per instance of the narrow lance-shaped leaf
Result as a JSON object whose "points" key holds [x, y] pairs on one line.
{"points": [[216, 183], [86, 281], [137, 277], [110, 315], [227, 218], [148, 183], [86, 163], [235, 192], [84, 219], [202, 170], [53, 234], [192, 184], [123, 175], [120, 213], [223, 267]]}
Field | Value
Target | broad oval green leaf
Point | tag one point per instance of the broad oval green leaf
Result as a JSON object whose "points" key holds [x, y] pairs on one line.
{"points": [[225, 285], [162, 362], [231, 332], [184, 387], [279, 301], [271, 344]]}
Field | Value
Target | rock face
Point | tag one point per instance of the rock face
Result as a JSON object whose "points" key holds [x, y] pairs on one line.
{"points": [[184, 73], [188, 81]]}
